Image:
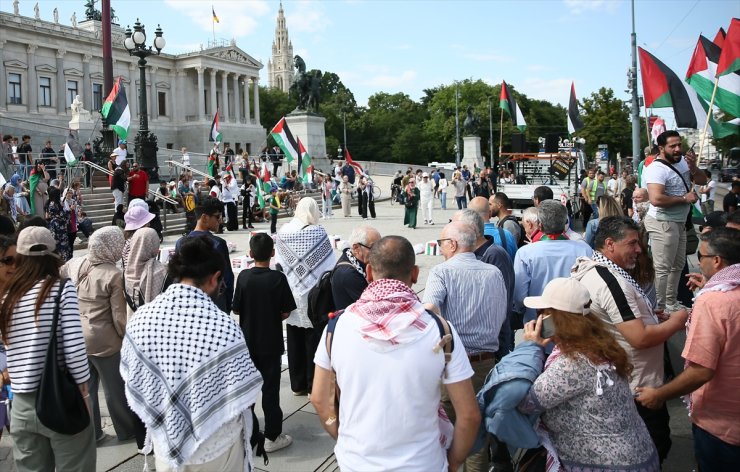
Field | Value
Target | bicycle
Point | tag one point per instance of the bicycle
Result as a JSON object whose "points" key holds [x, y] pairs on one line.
{"points": [[395, 192]]}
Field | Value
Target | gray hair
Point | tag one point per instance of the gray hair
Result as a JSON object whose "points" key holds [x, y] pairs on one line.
{"points": [[552, 216], [360, 234], [463, 233], [530, 214], [472, 218]]}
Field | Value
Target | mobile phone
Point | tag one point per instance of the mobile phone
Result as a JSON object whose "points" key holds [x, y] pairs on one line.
{"points": [[548, 328]]}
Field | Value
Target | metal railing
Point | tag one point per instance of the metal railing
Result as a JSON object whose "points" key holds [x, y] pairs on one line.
{"points": [[187, 168]]}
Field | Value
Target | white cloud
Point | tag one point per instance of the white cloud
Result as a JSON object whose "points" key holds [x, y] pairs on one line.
{"points": [[487, 57], [306, 16], [552, 90], [577, 7], [238, 18]]}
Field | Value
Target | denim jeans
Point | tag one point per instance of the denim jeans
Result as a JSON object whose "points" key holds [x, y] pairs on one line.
{"points": [[712, 453], [461, 202]]}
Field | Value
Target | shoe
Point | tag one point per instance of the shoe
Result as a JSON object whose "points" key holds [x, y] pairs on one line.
{"points": [[250, 226], [102, 438], [431, 223], [280, 442], [300, 393]]}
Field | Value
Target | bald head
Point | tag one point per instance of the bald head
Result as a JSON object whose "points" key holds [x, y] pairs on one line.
{"points": [[392, 257], [480, 206]]}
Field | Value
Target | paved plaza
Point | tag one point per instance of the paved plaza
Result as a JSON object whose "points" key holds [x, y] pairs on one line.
{"points": [[312, 449]]}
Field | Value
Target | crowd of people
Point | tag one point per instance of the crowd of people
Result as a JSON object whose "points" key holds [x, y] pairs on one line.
{"points": [[584, 388]]}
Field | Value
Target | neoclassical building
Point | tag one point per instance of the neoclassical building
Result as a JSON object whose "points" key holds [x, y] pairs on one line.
{"points": [[280, 65], [45, 64]]}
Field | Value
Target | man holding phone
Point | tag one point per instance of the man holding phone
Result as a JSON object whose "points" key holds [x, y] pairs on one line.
{"points": [[629, 314], [669, 183]]}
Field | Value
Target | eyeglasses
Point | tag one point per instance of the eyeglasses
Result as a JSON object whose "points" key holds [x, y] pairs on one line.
{"points": [[699, 255], [439, 241], [7, 260], [366, 247]]}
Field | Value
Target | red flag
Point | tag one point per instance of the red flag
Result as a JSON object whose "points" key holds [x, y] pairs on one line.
{"points": [[729, 60], [719, 40], [349, 160]]}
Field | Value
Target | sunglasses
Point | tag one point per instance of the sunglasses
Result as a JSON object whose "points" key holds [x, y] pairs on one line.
{"points": [[7, 260]]}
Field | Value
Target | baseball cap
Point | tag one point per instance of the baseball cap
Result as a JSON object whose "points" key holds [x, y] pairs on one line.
{"points": [[136, 218], [424, 175], [36, 241], [563, 294]]}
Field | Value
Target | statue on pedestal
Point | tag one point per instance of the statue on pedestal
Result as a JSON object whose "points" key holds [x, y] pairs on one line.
{"points": [[471, 123], [74, 20], [37, 15], [306, 86], [79, 114], [56, 15], [16, 9], [90, 12]]}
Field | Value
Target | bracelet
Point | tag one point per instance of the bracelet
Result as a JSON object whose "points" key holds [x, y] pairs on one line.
{"points": [[86, 396], [330, 420]]}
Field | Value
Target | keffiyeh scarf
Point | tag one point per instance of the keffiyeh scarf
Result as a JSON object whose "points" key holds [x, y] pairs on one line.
{"points": [[347, 256], [187, 372], [304, 254], [603, 260]]}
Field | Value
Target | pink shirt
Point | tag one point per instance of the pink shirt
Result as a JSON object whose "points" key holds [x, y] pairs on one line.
{"points": [[713, 342]]}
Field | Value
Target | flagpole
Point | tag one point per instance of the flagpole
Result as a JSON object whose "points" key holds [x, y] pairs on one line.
{"points": [[501, 132], [647, 128], [709, 115]]}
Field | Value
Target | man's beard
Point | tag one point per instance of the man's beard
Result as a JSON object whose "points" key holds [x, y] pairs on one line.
{"points": [[672, 158]]}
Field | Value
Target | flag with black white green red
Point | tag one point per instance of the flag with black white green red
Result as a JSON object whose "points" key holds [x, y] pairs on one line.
{"points": [[662, 88], [304, 162], [702, 74], [729, 60], [284, 138], [508, 104], [116, 111], [214, 135], [574, 118], [263, 190]]}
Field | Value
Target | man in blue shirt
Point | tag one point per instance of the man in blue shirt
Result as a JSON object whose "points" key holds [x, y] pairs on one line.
{"points": [[501, 236]]}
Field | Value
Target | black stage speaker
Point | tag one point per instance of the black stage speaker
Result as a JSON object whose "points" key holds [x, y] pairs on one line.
{"points": [[551, 142], [517, 143]]}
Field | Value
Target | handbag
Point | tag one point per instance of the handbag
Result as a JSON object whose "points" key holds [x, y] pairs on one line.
{"points": [[689, 222], [59, 403]]}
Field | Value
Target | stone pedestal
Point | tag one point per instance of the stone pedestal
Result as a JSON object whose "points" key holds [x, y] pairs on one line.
{"points": [[471, 152], [310, 128]]}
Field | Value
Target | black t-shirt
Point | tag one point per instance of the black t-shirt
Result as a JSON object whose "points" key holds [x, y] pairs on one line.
{"points": [[730, 201], [260, 298]]}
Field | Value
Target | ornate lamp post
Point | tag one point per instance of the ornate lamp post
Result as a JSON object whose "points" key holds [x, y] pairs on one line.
{"points": [[145, 142]]}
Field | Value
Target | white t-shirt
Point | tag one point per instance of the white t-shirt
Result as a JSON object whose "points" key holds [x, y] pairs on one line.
{"points": [[390, 397], [613, 187], [443, 185], [186, 159], [120, 155], [426, 189], [712, 187], [658, 173]]}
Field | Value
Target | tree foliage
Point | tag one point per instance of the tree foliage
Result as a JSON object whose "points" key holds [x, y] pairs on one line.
{"points": [[606, 121]]}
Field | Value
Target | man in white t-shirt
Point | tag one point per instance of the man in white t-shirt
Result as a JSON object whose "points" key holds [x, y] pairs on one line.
{"points": [[707, 193], [669, 182], [185, 157], [426, 197], [383, 350], [121, 152]]}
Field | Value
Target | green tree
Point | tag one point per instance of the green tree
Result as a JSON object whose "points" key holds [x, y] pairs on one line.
{"points": [[606, 121], [274, 104]]}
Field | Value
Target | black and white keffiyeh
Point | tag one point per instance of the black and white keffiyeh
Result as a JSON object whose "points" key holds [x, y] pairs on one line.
{"points": [[187, 372], [304, 254], [603, 260]]}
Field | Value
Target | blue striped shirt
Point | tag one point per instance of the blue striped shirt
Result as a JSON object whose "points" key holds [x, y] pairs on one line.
{"points": [[472, 296]]}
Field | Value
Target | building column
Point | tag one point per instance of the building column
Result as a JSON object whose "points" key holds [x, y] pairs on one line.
{"points": [[237, 97], [201, 94], [225, 95], [214, 103], [256, 82], [3, 80], [86, 84], [133, 96], [32, 87], [169, 100], [153, 99], [246, 100], [178, 109], [61, 84]]}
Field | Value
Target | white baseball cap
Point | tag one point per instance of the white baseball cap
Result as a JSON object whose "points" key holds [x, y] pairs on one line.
{"points": [[565, 294]]}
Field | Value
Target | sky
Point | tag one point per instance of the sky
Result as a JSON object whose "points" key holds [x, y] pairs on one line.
{"points": [[538, 46]]}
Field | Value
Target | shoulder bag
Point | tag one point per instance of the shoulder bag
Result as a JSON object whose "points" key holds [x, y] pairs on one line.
{"points": [[59, 403], [692, 239]]}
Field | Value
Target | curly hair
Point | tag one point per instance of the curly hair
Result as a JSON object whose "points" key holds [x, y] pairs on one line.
{"points": [[588, 335]]}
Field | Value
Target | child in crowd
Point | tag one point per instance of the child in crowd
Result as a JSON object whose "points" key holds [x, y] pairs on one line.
{"points": [[274, 209], [262, 300]]}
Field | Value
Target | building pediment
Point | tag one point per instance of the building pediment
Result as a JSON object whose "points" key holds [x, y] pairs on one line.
{"points": [[162, 85], [97, 76], [236, 55], [46, 68], [15, 64], [73, 72]]}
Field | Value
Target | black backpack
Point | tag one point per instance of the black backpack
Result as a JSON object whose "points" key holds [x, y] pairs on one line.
{"points": [[321, 300], [522, 235]]}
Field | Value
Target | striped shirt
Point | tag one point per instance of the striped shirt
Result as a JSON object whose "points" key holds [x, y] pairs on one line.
{"points": [[472, 296], [29, 338]]}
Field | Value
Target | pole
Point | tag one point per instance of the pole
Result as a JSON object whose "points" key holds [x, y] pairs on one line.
{"points": [[709, 115], [501, 132], [635, 103], [143, 119], [490, 133], [344, 126], [457, 129], [107, 50]]}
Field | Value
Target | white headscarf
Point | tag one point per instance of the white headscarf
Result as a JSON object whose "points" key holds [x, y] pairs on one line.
{"points": [[307, 211], [104, 247]]}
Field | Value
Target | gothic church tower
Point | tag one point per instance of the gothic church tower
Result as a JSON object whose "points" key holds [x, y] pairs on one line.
{"points": [[280, 66]]}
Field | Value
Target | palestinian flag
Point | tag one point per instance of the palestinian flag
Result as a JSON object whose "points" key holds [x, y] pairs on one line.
{"points": [[116, 111], [719, 39], [664, 89], [263, 192], [729, 60], [72, 148], [350, 161], [264, 173], [701, 76], [508, 104], [574, 119], [214, 135], [304, 163], [284, 138]]}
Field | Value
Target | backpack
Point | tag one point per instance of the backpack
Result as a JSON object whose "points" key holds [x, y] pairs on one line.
{"points": [[321, 300], [522, 234]]}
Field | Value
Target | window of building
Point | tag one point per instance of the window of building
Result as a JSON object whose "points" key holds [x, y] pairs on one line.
{"points": [[14, 89], [97, 90], [71, 91], [44, 91], [170, 145], [162, 103]]}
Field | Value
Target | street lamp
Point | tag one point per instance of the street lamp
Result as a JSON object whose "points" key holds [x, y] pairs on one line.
{"points": [[145, 142]]}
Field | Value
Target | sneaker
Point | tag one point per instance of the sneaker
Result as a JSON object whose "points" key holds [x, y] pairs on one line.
{"points": [[280, 442], [299, 393], [431, 223]]}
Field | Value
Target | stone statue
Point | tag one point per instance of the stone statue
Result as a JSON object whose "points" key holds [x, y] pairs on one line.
{"points": [[74, 20], [79, 114], [470, 125], [36, 11], [90, 12], [56, 15], [113, 17], [306, 86], [16, 10]]}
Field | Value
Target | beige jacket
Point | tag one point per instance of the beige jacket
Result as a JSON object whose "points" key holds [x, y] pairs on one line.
{"points": [[102, 307]]}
